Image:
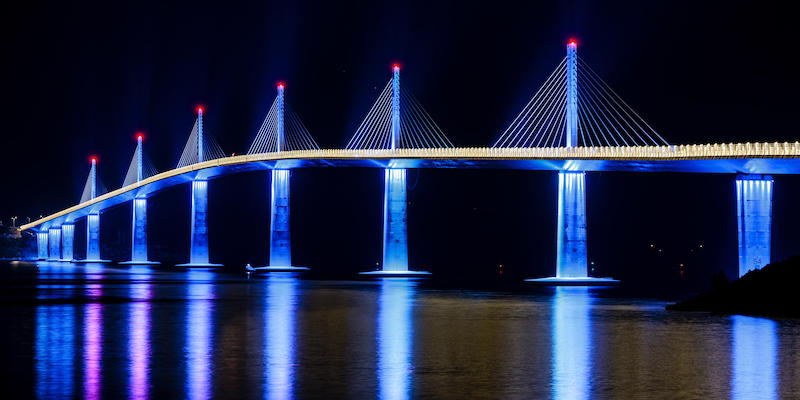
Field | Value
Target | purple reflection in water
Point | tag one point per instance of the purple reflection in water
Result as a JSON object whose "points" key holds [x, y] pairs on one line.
{"points": [[139, 340], [93, 346], [395, 332], [198, 335], [279, 351]]}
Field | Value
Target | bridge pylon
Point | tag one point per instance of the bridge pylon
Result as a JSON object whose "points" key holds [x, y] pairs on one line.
{"points": [[136, 174], [571, 244], [395, 204], [90, 192], [280, 240], [198, 245]]}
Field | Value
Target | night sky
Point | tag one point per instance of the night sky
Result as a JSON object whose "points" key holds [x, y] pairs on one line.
{"points": [[80, 80]]}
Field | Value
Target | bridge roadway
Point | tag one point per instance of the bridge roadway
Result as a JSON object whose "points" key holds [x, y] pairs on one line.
{"points": [[745, 158]]}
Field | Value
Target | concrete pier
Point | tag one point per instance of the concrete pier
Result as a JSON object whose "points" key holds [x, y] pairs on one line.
{"points": [[198, 251], [54, 242], [139, 234], [42, 245], [395, 234], [754, 217], [67, 242]]}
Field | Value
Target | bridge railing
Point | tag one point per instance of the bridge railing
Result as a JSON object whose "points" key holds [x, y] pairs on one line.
{"points": [[677, 152]]}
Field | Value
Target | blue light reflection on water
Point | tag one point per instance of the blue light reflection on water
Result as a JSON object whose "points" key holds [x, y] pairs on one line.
{"points": [[755, 356], [200, 308], [395, 332], [572, 351], [279, 346], [55, 351]]}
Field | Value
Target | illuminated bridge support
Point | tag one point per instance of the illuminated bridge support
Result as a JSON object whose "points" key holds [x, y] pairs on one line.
{"points": [[280, 241], [139, 234], [395, 234], [54, 241], [67, 242], [754, 216], [571, 253], [571, 229], [93, 238], [42, 245], [198, 251]]}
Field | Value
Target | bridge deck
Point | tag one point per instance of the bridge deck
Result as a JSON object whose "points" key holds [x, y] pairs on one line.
{"points": [[751, 158]]}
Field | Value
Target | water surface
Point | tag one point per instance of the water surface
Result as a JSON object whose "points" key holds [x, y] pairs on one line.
{"points": [[115, 332]]}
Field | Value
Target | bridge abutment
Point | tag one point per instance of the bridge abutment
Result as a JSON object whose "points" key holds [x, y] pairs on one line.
{"points": [[54, 240], [754, 220], [67, 242]]}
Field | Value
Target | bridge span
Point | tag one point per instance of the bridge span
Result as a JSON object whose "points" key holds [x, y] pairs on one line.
{"points": [[567, 128]]}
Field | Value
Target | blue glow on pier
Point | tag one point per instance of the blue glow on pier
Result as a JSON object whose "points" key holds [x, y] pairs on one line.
{"points": [[395, 235], [67, 242], [280, 244], [93, 237], [754, 217], [571, 251], [199, 244]]}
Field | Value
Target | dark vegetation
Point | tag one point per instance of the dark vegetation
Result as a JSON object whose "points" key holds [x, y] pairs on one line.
{"points": [[771, 291]]}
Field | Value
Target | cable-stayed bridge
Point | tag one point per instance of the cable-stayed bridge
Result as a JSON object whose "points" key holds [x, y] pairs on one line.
{"points": [[574, 124]]}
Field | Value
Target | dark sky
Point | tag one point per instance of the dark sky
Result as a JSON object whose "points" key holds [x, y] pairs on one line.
{"points": [[81, 79]]}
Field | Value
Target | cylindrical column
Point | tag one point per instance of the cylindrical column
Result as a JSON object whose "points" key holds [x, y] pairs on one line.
{"points": [[139, 238], [54, 240], [280, 248], [67, 242], [395, 236], [754, 216], [199, 249], [571, 241], [572, 94], [93, 237], [42, 245]]}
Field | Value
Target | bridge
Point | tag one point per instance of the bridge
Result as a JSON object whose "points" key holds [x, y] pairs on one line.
{"points": [[574, 124]]}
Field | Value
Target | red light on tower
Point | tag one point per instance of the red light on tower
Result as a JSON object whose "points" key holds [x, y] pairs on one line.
{"points": [[200, 109], [139, 136], [93, 159], [572, 42], [281, 85], [395, 67]]}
